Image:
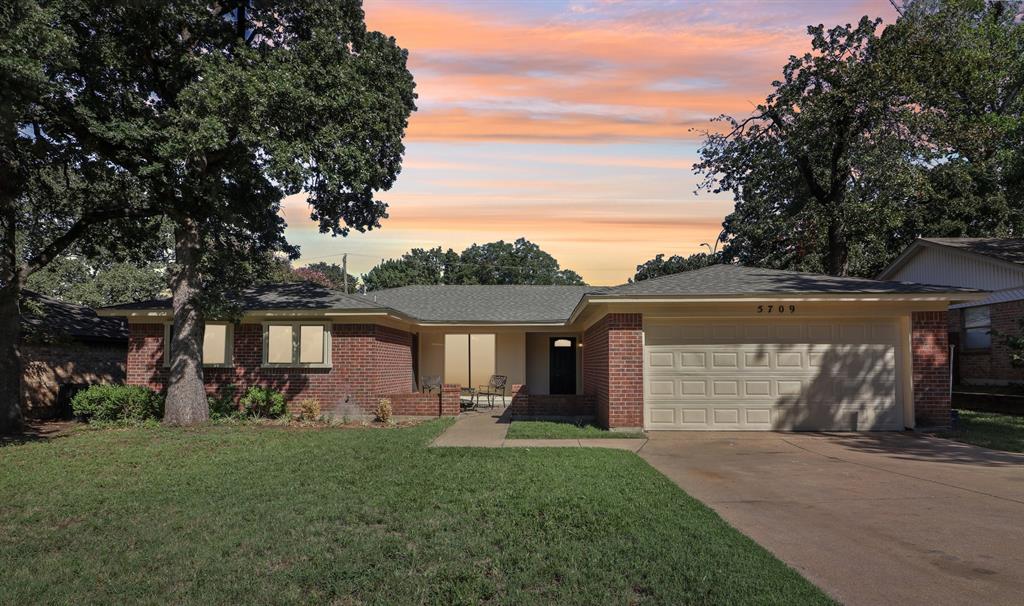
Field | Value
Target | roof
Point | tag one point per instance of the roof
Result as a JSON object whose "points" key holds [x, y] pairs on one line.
{"points": [[61, 318], [1010, 250], [737, 280], [541, 304], [484, 304], [999, 296], [289, 295]]}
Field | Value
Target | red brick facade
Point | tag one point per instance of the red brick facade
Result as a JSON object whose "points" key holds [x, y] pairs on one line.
{"points": [[45, 368], [990, 365], [930, 344], [417, 404], [525, 404], [613, 371], [368, 362]]}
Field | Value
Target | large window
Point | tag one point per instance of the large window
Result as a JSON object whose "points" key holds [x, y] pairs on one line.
{"points": [[977, 328], [297, 344], [218, 341]]}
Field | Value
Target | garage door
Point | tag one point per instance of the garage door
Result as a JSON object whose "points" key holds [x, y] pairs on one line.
{"points": [[780, 374]]}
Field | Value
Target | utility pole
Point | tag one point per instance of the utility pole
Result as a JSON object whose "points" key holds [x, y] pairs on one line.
{"points": [[344, 271]]}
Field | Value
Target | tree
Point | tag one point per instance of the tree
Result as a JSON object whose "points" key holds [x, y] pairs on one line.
{"points": [[56, 195], [964, 66], [334, 274], [97, 284], [810, 165], [220, 110], [418, 266], [871, 141], [660, 266], [521, 262]]}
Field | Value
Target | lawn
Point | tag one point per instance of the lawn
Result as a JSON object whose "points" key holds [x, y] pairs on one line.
{"points": [[990, 430], [553, 430], [258, 515]]}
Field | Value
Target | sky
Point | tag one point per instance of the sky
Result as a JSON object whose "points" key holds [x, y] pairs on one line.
{"points": [[572, 123]]}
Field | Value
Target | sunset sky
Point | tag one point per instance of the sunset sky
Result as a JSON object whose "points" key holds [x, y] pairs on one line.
{"points": [[569, 123]]}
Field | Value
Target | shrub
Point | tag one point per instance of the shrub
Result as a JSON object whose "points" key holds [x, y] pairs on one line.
{"points": [[106, 403], [263, 402], [309, 410], [222, 405], [383, 412]]}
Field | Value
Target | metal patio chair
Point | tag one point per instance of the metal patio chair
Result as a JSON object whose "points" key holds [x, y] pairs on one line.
{"points": [[495, 387]]}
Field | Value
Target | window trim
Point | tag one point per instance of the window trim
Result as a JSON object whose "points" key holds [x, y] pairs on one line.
{"points": [[966, 328], [296, 346], [229, 345]]}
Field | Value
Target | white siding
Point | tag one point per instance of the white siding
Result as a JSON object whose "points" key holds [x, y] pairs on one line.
{"points": [[946, 267]]}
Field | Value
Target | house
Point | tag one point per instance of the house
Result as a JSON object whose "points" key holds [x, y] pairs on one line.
{"points": [[724, 347], [64, 348], [991, 264]]}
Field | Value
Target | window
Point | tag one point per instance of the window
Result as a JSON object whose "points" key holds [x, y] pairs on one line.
{"points": [[977, 328], [297, 344], [563, 342], [218, 341]]}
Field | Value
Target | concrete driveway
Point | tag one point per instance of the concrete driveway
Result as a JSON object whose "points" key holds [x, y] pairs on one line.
{"points": [[869, 518]]}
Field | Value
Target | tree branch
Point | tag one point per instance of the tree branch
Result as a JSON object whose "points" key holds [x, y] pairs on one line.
{"points": [[87, 220]]}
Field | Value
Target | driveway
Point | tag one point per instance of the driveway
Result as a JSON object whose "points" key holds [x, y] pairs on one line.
{"points": [[870, 518]]}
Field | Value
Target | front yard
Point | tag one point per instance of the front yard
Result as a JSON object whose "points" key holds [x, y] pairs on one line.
{"points": [[989, 430], [263, 515]]}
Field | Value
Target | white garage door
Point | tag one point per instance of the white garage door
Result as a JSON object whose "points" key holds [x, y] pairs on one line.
{"points": [[778, 374]]}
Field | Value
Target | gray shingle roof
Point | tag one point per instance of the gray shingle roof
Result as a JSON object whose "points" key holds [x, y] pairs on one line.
{"points": [[739, 280], [290, 295], [498, 304], [1004, 249], [46, 315]]}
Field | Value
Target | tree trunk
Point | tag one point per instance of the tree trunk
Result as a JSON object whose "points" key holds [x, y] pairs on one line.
{"points": [[10, 359], [186, 396], [838, 260]]}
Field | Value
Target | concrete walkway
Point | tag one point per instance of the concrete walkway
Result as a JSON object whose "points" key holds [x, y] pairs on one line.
{"points": [[487, 429]]}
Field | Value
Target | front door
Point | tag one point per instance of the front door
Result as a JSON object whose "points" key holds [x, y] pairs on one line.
{"points": [[563, 365]]}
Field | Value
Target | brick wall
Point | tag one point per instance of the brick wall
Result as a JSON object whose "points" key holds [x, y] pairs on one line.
{"points": [[990, 365], [368, 361], [46, 367], [525, 404], [613, 369], [930, 344]]}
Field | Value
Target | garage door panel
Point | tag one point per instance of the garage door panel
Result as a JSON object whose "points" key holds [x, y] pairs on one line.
{"points": [[824, 375]]}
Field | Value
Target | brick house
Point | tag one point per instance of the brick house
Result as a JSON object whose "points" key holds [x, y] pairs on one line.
{"points": [[975, 328], [65, 347], [724, 347]]}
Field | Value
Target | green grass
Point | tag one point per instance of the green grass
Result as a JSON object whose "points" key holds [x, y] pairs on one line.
{"points": [[990, 430], [252, 515], [555, 430]]}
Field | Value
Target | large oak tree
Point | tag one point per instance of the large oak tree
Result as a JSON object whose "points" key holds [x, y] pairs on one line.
{"points": [[212, 112]]}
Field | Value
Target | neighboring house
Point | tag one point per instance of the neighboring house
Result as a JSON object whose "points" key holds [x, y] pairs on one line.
{"points": [[724, 347], [991, 264], [64, 348]]}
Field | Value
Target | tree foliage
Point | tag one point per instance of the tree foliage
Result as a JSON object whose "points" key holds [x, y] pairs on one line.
{"points": [[208, 114], [660, 266], [98, 284], [519, 262], [871, 140]]}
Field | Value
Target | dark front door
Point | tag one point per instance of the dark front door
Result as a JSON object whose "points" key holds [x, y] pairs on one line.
{"points": [[563, 365]]}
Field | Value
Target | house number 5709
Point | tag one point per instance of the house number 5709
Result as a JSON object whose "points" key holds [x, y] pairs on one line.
{"points": [[776, 309]]}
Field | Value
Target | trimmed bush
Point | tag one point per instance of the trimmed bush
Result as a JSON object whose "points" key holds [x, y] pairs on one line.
{"points": [[383, 412], [222, 405], [106, 403], [263, 402], [309, 410]]}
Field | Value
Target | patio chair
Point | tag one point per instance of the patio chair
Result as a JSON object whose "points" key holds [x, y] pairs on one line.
{"points": [[429, 384], [495, 387]]}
